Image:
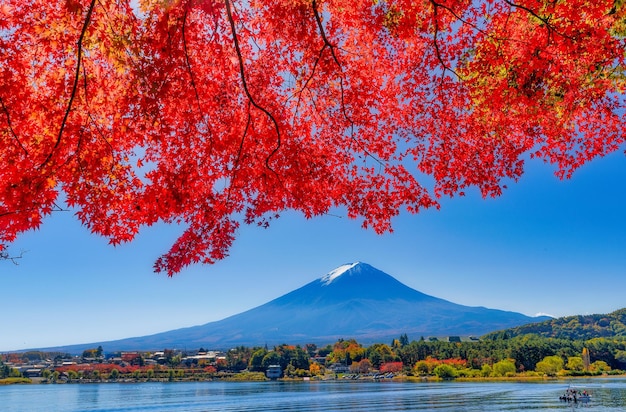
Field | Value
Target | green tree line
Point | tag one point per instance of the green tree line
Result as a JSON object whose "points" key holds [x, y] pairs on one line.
{"points": [[498, 355], [581, 327], [8, 372]]}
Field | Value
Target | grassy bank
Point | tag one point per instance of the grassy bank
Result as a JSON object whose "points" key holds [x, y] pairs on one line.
{"points": [[12, 381]]}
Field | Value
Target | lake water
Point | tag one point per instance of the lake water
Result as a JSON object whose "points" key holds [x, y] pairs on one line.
{"points": [[608, 395]]}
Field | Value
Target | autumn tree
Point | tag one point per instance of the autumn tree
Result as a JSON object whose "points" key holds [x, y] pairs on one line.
{"points": [[238, 358], [503, 368], [444, 371], [379, 353], [217, 113], [114, 375], [311, 349], [95, 353], [575, 363], [271, 358], [391, 367], [550, 365], [346, 351], [586, 359], [362, 366], [292, 355], [315, 369], [8, 372], [256, 360], [599, 366]]}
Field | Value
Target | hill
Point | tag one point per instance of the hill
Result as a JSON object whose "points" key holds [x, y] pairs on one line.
{"points": [[353, 301], [582, 327]]}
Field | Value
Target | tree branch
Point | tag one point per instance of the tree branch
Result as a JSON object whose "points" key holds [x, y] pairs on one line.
{"points": [[6, 112], [308, 80], [458, 17], [436, 43], [318, 19], [239, 155], [188, 62], [328, 44], [242, 74], [4, 255], [544, 20], [75, 85], [92, 120]]}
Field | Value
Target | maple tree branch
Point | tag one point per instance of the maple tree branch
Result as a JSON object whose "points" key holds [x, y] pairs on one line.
{"points": [[328, 44], [239, 154], [188, 63], [79, 57], [318, 19], [242, 74], [31, 209], [190, 71], [436, 43], [243, 138], [544, 20], [459, 18], [519, 6], [308, 80], [95, 124], [4, 255], [6, 112]]}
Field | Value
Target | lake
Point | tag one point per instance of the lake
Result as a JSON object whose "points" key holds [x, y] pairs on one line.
{"points": [[608, 394]]}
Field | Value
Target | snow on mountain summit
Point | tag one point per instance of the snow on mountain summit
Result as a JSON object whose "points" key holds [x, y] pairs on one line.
{"points": [[355, 299], [328, 278]]}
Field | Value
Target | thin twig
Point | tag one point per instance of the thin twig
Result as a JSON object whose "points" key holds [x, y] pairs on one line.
{"points": [[4, 255]]}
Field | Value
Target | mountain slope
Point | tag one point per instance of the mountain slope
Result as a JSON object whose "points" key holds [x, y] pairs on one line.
{"points": [[352, 301]]}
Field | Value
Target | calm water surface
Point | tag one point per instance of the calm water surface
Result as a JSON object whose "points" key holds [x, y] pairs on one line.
{"points": [[608, 395]]}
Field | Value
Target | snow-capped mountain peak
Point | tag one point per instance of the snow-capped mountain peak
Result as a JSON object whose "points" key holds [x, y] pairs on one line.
{"points": [[328, 278], [355, 300]]}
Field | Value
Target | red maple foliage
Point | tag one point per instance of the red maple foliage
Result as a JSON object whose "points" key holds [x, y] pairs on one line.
{"points": [[100, 367], [391, 367], [214, 113]]}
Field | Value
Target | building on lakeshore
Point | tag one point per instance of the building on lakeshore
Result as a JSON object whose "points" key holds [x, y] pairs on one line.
{"points": [[274, 372]]}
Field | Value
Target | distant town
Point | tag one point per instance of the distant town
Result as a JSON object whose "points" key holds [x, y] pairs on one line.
{"points": [[499, 356]]}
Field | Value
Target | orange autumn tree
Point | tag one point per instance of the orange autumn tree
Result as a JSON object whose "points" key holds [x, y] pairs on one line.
{"points": [[214, 113]]}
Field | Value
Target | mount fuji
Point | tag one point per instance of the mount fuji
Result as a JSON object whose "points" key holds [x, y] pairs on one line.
{"points": [[352, 301]]}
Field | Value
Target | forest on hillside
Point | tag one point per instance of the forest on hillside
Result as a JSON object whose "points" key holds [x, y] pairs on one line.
{"points": [[581, 327]]}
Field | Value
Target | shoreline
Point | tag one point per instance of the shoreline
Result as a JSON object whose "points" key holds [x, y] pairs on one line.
{"points": [[399, 379]]}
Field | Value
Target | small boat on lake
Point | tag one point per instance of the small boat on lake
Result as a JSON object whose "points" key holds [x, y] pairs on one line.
{"points": [[574, 395]]}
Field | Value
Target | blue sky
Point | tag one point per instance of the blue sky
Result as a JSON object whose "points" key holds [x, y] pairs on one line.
{"points": [[545, 246]]}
